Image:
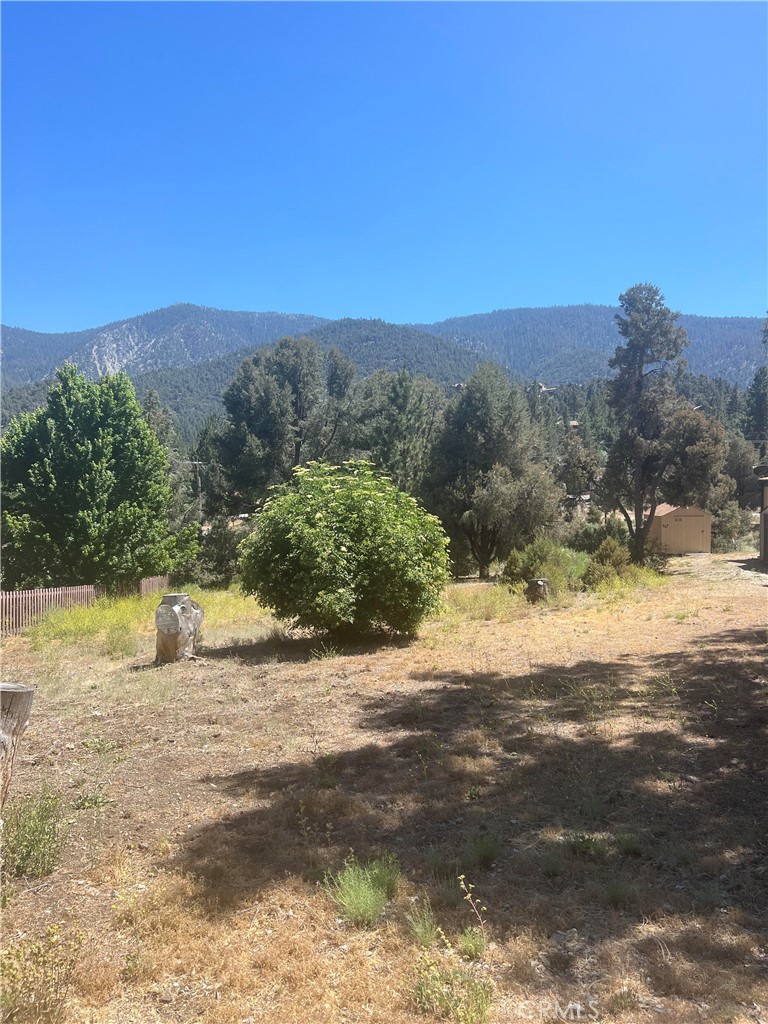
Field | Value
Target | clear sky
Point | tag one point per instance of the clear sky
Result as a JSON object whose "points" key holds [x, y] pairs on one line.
{"points": [[410, 161]]}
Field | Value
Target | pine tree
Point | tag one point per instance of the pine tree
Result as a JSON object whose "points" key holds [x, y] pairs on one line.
{"points": [[397, 417], [665, 450]]}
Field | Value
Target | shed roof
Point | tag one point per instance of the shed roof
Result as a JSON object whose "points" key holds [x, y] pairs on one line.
{"points": [[664, 509]]}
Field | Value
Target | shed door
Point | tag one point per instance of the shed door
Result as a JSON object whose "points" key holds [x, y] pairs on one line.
{"points": [[693, 533]]}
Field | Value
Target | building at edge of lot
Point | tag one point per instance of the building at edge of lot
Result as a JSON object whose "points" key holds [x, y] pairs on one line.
{"points": [[681, 530]]}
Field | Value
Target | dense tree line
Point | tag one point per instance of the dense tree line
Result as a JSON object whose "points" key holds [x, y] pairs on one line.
{"points": [[499, 461], [496, 459]]}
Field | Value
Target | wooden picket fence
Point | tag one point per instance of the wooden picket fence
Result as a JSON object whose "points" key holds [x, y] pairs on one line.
{"points": [[22, 608], [153, 585]]}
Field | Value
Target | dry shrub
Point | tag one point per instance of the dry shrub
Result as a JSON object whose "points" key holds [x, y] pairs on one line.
{"points": [[471, 743], [155, 908], [520, 954], [721, 946], [484, 602], [96, 975], [35, 975], [694, 965], [451, 993]]}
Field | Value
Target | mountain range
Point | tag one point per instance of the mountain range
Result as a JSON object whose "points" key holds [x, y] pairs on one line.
{"points": [[189, 353]]}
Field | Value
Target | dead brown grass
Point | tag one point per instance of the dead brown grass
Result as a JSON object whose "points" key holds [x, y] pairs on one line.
{"points": [[614, 754]]}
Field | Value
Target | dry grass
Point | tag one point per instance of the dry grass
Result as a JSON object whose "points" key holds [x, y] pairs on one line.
{"points": [[597, 770]]}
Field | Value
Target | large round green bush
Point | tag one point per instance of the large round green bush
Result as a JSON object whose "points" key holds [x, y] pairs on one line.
{"points": [[341, 547]]}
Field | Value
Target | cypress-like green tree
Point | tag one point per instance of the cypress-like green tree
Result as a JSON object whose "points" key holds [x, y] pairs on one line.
{"points": [[397, 417], [286, 405], [86, 493], [488, 482], [183, 473]]}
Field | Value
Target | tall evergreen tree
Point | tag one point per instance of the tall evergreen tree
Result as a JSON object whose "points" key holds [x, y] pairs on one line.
{"points": [[183, 476], [286, 406], [756, 410], [665, 450], [739, 467], [397, 417], [487, 481], [579, 466]]}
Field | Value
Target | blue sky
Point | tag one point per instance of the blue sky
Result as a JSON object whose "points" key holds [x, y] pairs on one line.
{"points": [[410, 161]]}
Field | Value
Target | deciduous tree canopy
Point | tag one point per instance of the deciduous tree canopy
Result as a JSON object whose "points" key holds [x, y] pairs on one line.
{"points": [[86, 494]]}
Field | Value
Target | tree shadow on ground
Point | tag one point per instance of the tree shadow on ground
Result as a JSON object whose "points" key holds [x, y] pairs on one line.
{"points": [[301, 648], [591, 795]]}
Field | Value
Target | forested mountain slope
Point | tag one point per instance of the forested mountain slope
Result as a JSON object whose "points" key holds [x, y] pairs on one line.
{"points": [[190, 353], [558, 344], [376, 344], [193, 392], [572, 344], [175, 336]]}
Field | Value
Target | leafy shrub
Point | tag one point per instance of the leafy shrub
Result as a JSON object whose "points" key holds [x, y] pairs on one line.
{"points": [[341, 547], [361, 891], [563, 567], [33, 833], [216, 564], [598, 575], [732, 528], [589, 536], [612, 553], [610, 561]]}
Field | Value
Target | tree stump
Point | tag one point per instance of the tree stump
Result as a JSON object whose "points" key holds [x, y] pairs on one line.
{"points": [[537, 590], [178, 620], [15, 708]]}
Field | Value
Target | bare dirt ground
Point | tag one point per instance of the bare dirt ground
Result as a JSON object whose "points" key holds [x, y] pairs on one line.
{"points": [[613, 749]]}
